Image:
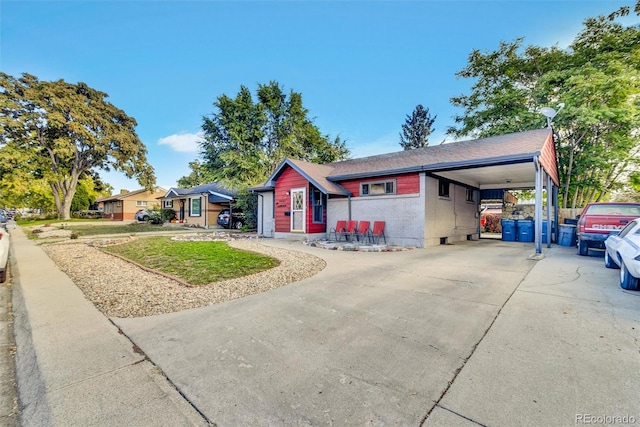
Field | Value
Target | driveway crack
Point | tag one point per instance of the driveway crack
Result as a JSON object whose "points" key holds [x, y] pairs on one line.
{"points": [[464, 363]]}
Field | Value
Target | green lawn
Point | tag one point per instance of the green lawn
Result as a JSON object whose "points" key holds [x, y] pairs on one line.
{"points": [[84, 227], [55, 222], [197, 263]]}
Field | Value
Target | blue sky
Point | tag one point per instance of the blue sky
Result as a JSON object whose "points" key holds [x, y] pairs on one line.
{"points": [[360, 66]]}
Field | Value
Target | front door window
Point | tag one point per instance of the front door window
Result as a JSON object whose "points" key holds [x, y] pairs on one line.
{"points": [[297, 209]]}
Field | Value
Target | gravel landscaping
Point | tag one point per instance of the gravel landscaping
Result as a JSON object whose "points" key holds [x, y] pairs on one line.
{"points": [[120, 288]]}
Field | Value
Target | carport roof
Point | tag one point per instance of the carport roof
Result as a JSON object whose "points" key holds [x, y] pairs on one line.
{"points": [[498, 160], [503, 161]]}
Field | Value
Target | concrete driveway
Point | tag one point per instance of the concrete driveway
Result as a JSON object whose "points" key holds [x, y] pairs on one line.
{"points": [[374, 339]]}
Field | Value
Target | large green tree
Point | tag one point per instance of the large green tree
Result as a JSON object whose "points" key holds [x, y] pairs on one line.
{"points": [[597, 79], [200, 174], [56, 131], [244, 140], [417, 128]]}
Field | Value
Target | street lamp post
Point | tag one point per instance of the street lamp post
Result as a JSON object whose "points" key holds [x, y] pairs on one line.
{"points": [[550, 113]]}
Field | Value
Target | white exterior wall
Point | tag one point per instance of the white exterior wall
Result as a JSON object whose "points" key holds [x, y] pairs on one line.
{"points": [[265, 220], [452, 218], [403, 215]]}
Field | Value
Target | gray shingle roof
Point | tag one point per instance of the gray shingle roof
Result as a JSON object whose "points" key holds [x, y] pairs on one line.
{"points": [[213, 187], [509, 147]]}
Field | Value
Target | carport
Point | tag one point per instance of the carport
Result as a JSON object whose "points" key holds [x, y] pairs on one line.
{"points": [[525, 166]]}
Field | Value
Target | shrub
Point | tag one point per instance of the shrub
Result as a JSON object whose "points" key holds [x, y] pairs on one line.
{"points": [[492, 224]]}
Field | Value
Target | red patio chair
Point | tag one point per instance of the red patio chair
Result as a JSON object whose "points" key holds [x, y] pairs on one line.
{"points": [[350, 230], [362, 231], [340, 228], [378, 231]]}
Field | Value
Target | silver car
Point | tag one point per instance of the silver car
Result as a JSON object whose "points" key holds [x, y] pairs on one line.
{"points": [[623, 251]]}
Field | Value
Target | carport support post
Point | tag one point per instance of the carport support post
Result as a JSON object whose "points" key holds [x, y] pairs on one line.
{"points": [[549, 219], [538, 215]]}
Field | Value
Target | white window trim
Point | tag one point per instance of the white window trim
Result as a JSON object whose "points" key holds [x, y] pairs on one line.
{"points": [[383, 181], [304, 210], [191, 206]]}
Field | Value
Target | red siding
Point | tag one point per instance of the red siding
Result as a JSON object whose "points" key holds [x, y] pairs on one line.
{"points": [[548, 159], [405, 184], [291, 179]]}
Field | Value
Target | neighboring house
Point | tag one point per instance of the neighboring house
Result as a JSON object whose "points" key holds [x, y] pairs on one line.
{"points": [[199, 205], [427, 196], [124, 206]]}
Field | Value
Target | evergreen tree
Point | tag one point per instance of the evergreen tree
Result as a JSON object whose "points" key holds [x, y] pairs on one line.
{"points": [[417, 128], [245, 140]]}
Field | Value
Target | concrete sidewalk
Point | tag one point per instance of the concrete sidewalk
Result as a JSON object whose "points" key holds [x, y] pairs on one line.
{"points": [[73, 366]]}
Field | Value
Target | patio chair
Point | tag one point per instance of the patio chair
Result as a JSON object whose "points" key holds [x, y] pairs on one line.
{"points": [[378, 231], [340, 228], [363, 231], [350, 230]]}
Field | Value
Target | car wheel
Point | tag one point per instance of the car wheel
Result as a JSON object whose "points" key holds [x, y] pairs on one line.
{"points": [[583, 248], [145, 218], [608, 262], [627, 281], [238, 225]]}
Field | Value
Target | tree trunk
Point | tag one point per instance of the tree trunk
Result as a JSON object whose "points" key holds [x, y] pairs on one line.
{"points": [[63, 192]]}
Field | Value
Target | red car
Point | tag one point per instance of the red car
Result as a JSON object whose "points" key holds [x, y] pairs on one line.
{"points": [[598, 220]]}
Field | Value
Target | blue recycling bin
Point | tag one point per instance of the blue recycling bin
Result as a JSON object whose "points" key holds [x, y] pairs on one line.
{"points": [[509, 230], [525, 230], [544, 230], [567, 235]]}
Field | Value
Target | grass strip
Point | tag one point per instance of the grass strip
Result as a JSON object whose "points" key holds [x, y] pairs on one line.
{"points": [[197, 263]]}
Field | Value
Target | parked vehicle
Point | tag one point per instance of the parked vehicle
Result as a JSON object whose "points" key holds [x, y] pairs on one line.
{"points": [[598, 220], [623, 251], [142, 215], [148, 216], [4, 254], [236, 222]]}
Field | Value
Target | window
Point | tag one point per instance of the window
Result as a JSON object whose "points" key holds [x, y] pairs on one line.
{"points": [[630, 226], [168, 203], [194, 209], [443, 188], [317, 201], [378, 188], [470, 195], [141, 203]]}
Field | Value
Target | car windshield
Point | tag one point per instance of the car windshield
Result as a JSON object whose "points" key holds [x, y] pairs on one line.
{"points": [[614, 209]]}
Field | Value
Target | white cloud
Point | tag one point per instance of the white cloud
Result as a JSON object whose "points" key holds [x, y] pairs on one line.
{"points": [[182, 142]]}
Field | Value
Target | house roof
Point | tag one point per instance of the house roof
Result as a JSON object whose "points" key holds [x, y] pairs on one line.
{"points": [[219, 191], [494, 162], [314, 173], [123, 196], [495, 150]]}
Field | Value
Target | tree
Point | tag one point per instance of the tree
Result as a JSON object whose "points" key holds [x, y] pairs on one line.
{"points": [[597, 78], [200, 174], [61, 130], [244, 141], [416, 129]]}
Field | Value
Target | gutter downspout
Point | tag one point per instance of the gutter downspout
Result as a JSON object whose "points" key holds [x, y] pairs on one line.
{"points": [[349, 204]]}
